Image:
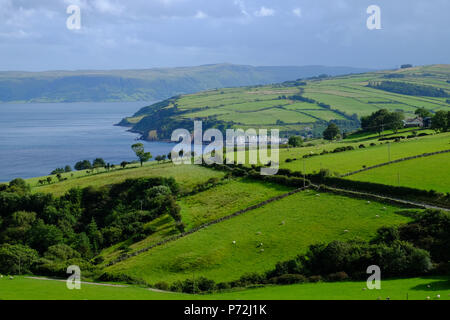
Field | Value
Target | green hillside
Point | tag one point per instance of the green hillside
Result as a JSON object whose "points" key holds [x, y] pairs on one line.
{"points": [[300, 106], [145, 84]]}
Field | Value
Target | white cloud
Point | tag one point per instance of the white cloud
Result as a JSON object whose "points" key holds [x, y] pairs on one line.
{"points": [[200, 15], [297, 12], [264, 12], [106, 6], [241, 6]]}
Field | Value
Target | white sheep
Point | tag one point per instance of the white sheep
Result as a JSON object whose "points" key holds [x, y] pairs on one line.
{"points": [[262, 250], [345, 230], [368, 202], [11, 277], [282, 222], [428, 298], [438, 296], [377, 216], [234, 242]]}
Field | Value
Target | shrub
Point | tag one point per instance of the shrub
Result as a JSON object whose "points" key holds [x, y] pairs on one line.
{"points": [[162, 286], [289, 279], [315, 279], [338, 276]]}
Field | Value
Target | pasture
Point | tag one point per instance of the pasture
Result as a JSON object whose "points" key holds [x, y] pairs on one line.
{"points": [[285, 228]]}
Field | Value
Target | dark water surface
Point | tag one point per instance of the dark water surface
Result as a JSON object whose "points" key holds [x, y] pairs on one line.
{"points": [[37, 138]]}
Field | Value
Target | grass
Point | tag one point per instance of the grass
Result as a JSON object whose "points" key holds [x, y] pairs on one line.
{"points": [[226, 199], [270, 106], [186, 175], [428, 173], [348, 161], [22, 288], [307, 218], [198, 209]]}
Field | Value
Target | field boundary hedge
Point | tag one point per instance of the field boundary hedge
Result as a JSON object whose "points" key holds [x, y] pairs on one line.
{"points": [[184, 234], [394, 161]]}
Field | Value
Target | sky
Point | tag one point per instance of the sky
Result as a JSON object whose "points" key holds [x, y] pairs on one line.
{"points": [[140, 34]]}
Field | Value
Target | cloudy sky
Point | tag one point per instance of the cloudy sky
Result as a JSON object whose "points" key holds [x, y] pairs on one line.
{"points": [[165, 33]]}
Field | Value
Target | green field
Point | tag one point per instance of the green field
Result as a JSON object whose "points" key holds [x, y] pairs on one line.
{"points": [[348, 161], [286, 228], [226, 199], [186, 175], [22, 288], [274, 107], [428, 173]]}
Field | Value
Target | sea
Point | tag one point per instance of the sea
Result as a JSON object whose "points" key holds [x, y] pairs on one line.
{"points": [[36, 138]]}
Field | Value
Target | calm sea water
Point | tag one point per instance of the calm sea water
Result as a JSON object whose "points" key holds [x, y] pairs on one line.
{"points": [[37, 138]]}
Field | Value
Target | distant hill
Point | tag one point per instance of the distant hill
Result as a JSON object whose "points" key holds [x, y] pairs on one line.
{"points": [[299, 107], [145, 85]]}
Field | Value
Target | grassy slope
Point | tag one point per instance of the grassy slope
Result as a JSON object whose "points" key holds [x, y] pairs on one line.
{"points": [[308, 219], [29, 289], [226, 199], [198, 209], [429, 173], [354, 160], [257, 106], [187, 176]]}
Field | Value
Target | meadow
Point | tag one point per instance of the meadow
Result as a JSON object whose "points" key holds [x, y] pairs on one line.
{"points": [[348, 161], [186, 175], [337, 98], [428, 173], [22, 288], [285, 228]]}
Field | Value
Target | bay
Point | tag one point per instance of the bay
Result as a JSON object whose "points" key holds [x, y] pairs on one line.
{"points": [[36, 138]]}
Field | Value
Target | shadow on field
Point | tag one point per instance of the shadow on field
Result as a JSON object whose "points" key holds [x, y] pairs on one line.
{"points": [[441, 283]]}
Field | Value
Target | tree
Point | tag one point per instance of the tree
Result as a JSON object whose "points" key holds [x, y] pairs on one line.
{"points": [[83, 165], [67, 168], [16, 259], [99, 163], [295, 141], [440, 121], [143, 156], [331, 132], [395, 121], [423, 113]]}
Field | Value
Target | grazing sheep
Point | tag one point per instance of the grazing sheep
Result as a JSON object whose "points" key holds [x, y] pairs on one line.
{"points": [[438, 296], [317, 195], [428, 298], [428, 286], [377, 216], [345, 230], [262, 250], [234, 242], [258, 233], [11, 277], [282, 222], [368, 202], [384, 208]]}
